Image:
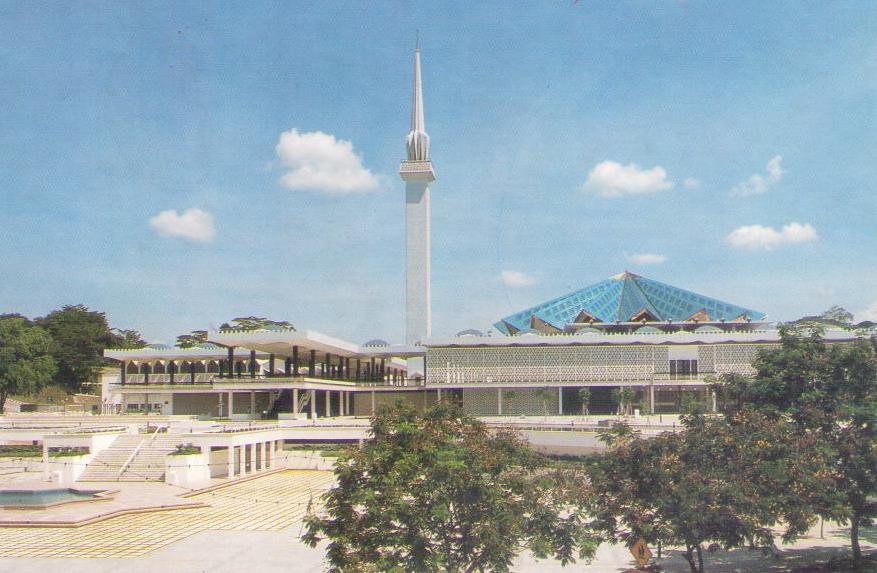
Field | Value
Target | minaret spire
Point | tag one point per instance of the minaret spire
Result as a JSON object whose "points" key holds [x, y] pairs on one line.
{"points": [[417, 142], [417, 173]]}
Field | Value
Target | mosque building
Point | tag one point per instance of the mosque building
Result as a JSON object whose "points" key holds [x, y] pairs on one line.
{"points": [[665, 343]]}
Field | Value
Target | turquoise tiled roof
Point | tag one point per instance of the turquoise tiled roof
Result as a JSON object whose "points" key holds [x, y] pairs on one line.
{"points": [[626, 297]]}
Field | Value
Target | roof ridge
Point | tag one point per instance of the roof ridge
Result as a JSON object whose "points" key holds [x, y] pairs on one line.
{"points": [[652, 308]]}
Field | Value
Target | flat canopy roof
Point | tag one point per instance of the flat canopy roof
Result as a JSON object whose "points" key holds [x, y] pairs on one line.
{"points": [[208, 352], [268, 341], [281, 341], [597, 338]]}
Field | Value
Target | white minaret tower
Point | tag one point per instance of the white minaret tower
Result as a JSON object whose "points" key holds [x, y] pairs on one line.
{"points": [[417, 173]]}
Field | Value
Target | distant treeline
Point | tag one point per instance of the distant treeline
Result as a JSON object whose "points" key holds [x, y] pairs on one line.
{"points": [[64, 348]]}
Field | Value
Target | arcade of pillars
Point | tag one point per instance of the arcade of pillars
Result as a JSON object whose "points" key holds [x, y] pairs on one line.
{"points": [[250, 458], [308, 364], [316, 403]]}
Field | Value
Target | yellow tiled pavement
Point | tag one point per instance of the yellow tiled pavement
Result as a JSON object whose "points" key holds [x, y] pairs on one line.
{"points": [[267, 503]]}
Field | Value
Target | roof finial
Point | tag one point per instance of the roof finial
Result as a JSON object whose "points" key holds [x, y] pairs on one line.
{"points": [[417, 142], [417, 40]]}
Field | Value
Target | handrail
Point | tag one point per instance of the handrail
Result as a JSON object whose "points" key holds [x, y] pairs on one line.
{"points": [[136, 451]]}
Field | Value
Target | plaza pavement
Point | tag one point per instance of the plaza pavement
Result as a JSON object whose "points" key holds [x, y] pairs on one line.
{"points": [[255, 525]]}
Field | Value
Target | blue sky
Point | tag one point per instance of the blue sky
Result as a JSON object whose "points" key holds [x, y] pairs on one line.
{"points": [[570, 139]]}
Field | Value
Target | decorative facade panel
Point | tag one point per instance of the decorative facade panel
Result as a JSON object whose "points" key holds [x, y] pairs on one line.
{"points": [[544, 364], [585, 364], [738, 358]]}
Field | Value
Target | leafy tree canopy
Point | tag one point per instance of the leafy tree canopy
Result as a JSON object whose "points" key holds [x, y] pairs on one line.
{"points": [[440, 492], [838, 314], [126, 338], [26, 364], [194, 338], [255, 323], [826, 394], [623, 398], [80, 335], [710, 485]]}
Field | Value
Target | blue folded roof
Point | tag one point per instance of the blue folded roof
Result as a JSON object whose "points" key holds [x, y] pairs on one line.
{"points": [[625, 297]]}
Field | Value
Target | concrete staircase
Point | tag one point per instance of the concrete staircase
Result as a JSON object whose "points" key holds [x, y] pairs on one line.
{"points": [[139, 457]]}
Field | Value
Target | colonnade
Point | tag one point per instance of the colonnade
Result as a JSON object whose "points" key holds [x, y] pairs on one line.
{"points": [[255, 457]]}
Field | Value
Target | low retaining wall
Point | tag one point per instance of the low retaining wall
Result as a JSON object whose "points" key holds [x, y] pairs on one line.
{"points": [[301, 460], [64, 470], [190, 471]]}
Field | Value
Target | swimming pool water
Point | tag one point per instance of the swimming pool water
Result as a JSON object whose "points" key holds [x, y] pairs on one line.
{"points": [[42, 497]]}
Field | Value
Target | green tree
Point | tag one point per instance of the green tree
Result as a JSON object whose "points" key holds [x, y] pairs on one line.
{"points": [[623, 398], [827, 394], [585, 399], [438, 492], [255, 323], [195, 338], [80, 336], [543, 394], [26, 364], [707, 486], [838, 314], [126, 338]]}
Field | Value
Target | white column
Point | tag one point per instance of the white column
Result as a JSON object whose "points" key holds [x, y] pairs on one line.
{"points": [[559, 401], [439, 398], [313, 404], [272, 454], [328, 403], [713, 395], [230, 404], [499, 401], [252, 404], [45, 460], [652, 399], [279, 451], [341, 403], [262, 462], [230, 462], [373, 401], [295, 401], [242, 450]]}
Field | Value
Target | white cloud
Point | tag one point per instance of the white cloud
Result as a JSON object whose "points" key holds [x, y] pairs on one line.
{"points": [[192, 224], [869, 313], [760, 237], [691, 183], [647, 259], [758, 183], [612, 179], [319, 162], [516, 279]]}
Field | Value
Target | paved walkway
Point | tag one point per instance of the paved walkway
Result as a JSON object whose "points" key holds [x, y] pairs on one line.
{"points": [[255, 525], [272, 502]]}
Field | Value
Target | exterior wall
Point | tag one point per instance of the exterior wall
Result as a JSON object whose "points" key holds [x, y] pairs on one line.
{"points": [[515, 402], [592, 365], [544, 364], [362, 402], [164, 400], [737, 357], [242, 402], [197, 404]]}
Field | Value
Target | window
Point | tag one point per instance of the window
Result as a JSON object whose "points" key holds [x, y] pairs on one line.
{"points": [[683, 369]]}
